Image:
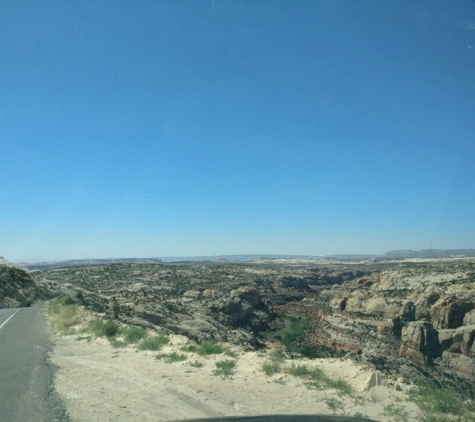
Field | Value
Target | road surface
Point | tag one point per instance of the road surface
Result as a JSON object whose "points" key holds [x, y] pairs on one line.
{"points": [[26, 376]]}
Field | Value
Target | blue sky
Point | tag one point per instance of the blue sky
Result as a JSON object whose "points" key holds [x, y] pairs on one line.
{"points": [[171, 128]]}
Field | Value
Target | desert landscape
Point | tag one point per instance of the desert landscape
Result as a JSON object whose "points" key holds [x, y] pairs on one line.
{"points": [[384, 338]]}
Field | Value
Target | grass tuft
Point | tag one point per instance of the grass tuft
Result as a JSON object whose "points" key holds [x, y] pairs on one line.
{"points": [[210, 347], [171, 357], [316, 378]]}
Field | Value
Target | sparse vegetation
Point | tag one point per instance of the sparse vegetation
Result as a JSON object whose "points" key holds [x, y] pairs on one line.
{"points": [[442, 404], [270, 367], [316, 378], [225, 368], [396, 413], [294, 336], [171, 357], [63, 314], [133, 334], [210, 347], [153, 343], [196, 364], [335, 405], [102, 328]]}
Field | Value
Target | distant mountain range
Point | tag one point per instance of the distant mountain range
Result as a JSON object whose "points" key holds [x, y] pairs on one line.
{"points": [[399, 254], [427, 253]]}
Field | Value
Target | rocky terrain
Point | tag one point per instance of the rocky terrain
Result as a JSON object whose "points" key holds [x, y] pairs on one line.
{"points": [[17, 287], [412, 319]]}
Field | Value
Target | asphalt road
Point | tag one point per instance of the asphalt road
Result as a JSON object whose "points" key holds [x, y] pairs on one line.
{"points": [[26, 376]]}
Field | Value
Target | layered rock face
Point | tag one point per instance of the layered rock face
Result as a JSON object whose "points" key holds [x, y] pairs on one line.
{"points": [[425, 311]]}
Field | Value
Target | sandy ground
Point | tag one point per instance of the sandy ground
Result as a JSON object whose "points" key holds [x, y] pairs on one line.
{"points": [[100, 383]]}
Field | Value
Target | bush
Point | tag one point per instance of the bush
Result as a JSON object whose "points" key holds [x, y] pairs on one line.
{"points": [[133, 334], [101, 328], [225, 368], [153, 343], [96, 327], [270, 368], [110, 328]]}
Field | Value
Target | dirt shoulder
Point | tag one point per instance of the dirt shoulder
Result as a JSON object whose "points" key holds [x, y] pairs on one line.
{"points": [[100, 383]]}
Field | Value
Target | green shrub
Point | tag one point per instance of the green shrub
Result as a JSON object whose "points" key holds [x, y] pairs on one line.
{"points": [[133, 334], [110, 328], [225, 368], [153, 343], [171, 357], [96, 327], [270, 368], [101, 328]]}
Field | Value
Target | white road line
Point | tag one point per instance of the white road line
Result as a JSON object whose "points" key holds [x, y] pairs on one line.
{"points": [[9, 318]]}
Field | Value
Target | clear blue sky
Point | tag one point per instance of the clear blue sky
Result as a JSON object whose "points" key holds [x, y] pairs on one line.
{"points": [[165, 128]]}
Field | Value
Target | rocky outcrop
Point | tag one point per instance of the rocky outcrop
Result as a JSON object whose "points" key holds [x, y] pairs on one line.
{"points": [[469, 318], [424, 303], [448, 312], [243, 308], [17, 288], [420, 343]]}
